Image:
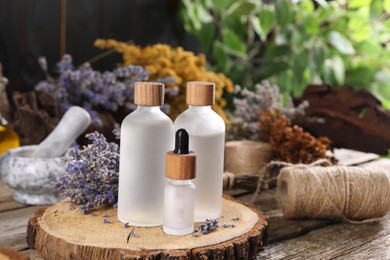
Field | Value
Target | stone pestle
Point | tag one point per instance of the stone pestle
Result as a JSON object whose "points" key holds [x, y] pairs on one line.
{"points": [[72, 124]]}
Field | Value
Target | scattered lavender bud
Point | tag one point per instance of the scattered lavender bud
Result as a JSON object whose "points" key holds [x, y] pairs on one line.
{"points": [[94, 214], [236, 219], [127, 225], [107, 221], [226, 225], [210, 225]]}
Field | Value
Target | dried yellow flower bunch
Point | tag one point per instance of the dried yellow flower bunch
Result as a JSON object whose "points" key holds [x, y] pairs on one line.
{"points": [[162, 61]]}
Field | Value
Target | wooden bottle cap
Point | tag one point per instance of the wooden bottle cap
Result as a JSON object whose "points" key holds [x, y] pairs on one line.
{"points": [[149, 94], [180, 166], [200, 93]]}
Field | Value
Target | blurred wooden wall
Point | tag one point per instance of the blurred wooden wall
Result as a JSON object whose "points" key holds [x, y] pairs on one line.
{"points": [[33, 28]]}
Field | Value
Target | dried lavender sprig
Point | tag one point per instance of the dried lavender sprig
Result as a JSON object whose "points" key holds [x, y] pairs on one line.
{"points": [[132, 234], [91, 174], [94, 90]]}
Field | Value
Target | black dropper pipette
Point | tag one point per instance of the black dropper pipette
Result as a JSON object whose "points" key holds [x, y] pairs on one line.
{"points": [[181, 142]]}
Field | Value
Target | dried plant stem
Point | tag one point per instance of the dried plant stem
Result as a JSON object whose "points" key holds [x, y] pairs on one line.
{"points": [[104, 54]]}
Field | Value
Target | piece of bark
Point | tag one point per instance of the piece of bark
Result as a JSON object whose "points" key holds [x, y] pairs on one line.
{"points": [[35, 116], [57, 232], [351, 118]]}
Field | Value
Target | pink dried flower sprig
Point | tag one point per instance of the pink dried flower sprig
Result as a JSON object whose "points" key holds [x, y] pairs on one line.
{"points": [[91, 174]]}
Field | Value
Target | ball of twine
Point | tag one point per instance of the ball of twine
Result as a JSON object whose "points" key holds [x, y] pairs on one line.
{"points": [[352, 194]]}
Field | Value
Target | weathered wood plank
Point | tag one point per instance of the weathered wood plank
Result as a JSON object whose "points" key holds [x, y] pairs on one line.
{"points": [[6, 192], [346, 241], [378, 248], [7, 202], [281, 228], [236, 192], [15, 222], [264, 200], [382, 163], [350, 157], [10, 205], [17, 242], [31, 254]]}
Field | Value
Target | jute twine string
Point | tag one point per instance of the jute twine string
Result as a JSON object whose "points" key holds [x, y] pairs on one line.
{"points": [[353, 194], [246, 157], [271, 171]]}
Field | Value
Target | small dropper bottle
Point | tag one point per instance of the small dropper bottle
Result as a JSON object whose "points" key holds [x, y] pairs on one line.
{"points": [[179, 196]]}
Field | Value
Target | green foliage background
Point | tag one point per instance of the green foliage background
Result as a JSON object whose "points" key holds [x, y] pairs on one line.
{"points": [[295, 43]]}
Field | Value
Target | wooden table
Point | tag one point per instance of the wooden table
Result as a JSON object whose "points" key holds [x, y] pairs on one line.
{"points": [[288, 239]]}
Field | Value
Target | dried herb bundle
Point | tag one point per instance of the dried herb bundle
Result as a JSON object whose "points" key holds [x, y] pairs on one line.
{"points": [[248, 105], [91, 174], [289, 142]]}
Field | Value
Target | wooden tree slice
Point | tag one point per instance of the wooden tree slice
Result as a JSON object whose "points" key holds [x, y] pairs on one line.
{"points": [[59, 232]]}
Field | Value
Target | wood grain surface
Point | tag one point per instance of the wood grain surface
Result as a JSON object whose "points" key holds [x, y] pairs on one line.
{"points": [[72, 233]]}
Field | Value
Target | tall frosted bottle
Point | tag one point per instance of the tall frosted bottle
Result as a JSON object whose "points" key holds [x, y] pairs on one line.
{"points": [[206, 130], [146, 135]]}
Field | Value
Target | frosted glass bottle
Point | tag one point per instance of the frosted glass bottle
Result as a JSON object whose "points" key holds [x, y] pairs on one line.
{"points": [[207, 139], [179, 197], [146, 135]]}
